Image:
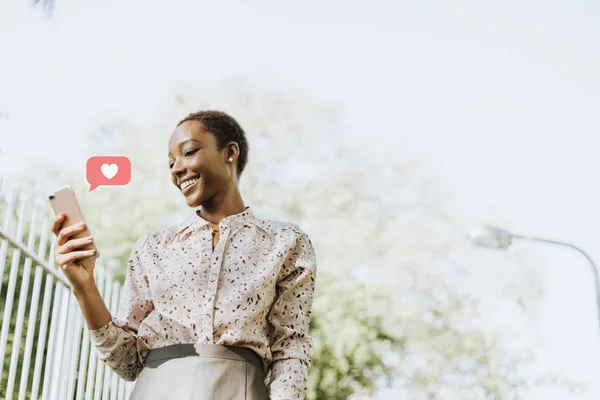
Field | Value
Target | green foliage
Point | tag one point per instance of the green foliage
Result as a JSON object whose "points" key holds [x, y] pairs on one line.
{"points": [[350, 339]]}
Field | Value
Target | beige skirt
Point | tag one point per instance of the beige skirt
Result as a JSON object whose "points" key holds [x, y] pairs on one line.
{"points": [[213, 372]]}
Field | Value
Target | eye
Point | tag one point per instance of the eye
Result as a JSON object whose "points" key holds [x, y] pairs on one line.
{"points": [[190, 152], [171, 165]]}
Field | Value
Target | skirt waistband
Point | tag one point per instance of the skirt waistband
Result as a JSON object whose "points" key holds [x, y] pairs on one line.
{"points": [[158, 356]]}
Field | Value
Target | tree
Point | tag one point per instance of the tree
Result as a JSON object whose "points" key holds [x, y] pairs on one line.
{"points": [[46, 5], [386, 306]]}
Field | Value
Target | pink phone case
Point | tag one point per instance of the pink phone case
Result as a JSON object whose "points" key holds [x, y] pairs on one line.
{"points": [[64, 200]]}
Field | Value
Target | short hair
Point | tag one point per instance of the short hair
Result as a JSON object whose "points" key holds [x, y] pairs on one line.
{"points": [[226, 129]]}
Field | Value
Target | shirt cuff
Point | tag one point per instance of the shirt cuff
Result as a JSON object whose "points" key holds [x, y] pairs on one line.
{"points": [[104, 334], [289, 379]]}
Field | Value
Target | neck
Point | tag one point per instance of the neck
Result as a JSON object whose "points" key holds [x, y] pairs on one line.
{"points": [[218, 208]]}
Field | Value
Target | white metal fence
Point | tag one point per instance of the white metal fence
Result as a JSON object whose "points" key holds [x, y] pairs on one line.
{"points": [[45, 349]]}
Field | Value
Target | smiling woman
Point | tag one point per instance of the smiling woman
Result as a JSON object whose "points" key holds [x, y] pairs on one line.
{"points": [[207, 154], [226, 295]]}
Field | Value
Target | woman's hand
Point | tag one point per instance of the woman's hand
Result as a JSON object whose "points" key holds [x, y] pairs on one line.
{"points": [[69, 255]]}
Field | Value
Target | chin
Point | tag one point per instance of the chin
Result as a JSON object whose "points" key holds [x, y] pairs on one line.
{"points": [[193, 201]]}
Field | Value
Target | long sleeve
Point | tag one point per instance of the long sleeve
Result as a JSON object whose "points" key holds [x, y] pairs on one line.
{"points": [[289, 318], [116, 342]]}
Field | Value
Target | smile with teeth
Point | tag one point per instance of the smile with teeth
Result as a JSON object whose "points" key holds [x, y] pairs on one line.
{"points": [[188, 183]]}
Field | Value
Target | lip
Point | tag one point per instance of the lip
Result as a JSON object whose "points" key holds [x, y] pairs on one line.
{"points": [[187, 189], [188, 178]]}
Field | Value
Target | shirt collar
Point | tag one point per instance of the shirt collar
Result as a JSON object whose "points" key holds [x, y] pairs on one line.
{"points": [[198, 222]]}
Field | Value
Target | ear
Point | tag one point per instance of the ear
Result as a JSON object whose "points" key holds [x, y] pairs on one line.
{"points": [[232, 152]]}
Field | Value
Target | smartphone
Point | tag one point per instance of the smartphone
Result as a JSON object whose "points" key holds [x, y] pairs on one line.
{"points": [[64, 200]]}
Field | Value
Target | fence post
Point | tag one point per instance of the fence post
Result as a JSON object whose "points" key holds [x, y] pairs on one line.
{"points": [[65, 365]]}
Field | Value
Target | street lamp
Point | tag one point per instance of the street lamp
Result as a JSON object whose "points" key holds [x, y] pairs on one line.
{"points": [[496, 238]]}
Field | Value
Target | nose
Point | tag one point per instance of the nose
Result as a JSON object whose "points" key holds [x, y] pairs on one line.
{"points": [[178, 170]]}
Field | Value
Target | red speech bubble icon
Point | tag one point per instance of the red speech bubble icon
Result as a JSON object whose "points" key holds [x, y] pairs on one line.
{"points": [[107, 171]]}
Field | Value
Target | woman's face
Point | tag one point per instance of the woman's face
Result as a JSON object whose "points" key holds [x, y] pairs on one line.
{"points": [[198, 168]]}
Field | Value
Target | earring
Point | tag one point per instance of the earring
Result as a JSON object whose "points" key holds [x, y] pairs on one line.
{"points": [[230, 159]]}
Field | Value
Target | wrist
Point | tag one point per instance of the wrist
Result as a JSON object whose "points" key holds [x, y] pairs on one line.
{"points": [[84, 288]]}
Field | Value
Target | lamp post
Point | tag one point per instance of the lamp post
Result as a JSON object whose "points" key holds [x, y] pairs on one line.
{"points": [[496, 238]]}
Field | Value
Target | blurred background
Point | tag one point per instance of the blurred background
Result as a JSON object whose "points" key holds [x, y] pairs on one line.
{"points": [[386, 130]]}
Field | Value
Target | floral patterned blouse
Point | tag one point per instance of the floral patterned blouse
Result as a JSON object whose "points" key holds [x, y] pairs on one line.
{"points": [[254, 290]]}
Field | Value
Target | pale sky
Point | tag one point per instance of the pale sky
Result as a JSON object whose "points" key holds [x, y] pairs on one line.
{"points": [[502, 100]]}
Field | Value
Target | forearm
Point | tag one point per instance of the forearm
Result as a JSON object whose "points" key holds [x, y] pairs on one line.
{"points": [[92, 305], [115, 345]]}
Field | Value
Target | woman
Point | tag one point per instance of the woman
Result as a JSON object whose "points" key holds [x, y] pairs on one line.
{"points": [[215, 308]]}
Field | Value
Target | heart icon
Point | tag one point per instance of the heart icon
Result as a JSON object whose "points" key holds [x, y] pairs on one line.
{"points": [[109, 170]]}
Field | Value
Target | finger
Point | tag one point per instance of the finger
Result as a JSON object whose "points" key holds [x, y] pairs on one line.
{"points": [[71, 258], [69, 231], [57, 223], [74, 244], [62, 260]]}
